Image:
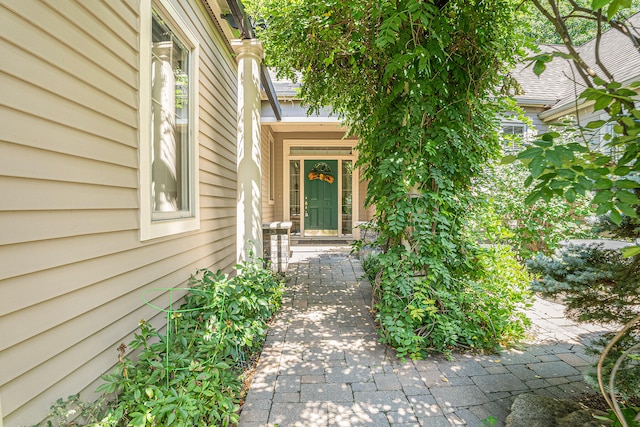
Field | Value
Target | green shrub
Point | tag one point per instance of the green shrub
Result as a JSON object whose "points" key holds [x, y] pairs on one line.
{"points": [[419, 315], [193, 374], [506, 218], [597, 286]]}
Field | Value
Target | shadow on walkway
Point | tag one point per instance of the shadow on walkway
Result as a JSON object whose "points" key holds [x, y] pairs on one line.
{"points": [[322, 365]]}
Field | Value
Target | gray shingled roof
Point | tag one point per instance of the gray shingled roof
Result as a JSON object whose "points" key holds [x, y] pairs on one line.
{"points": [[555, 86]]}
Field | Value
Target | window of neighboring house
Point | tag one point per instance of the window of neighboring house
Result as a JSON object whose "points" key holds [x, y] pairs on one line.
{"points": [[606, 134], [513, 136], [168, 108]]}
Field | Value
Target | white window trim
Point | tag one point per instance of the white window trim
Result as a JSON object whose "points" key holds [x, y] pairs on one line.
{"points": [[272, 170], [153, 228]]}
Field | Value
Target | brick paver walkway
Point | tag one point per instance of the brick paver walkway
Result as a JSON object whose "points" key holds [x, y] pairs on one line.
{"points": [[322, 364]]}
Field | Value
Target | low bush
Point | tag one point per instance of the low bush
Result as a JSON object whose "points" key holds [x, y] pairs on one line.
{"points": [[419, 315], [507, 218], [193, 373], [598, 286]]}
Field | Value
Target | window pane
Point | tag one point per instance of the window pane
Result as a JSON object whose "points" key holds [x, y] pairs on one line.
{"points": [[170, 120], [294, 195], [347, 197]]}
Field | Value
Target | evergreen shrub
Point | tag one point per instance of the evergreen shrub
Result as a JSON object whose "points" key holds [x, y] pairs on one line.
{"points": [[599, 286]]}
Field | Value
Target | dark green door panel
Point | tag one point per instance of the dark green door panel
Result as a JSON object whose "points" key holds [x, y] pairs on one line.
{"points": [[321, 197]]}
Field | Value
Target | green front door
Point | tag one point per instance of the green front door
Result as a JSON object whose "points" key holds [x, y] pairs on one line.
{"points": [[321, 197]]}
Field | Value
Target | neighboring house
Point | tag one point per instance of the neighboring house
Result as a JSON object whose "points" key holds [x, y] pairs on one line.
{"points": [[552, 96], [120, 122]]}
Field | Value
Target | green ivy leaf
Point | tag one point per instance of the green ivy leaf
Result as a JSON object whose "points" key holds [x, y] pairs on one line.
{"points": [[538, 67], [553, 156], [604, 208], [627, 183], [630, 251], [537, 166], [530, 153], [602, 102], [533, 197], [603, 196], [508, 159], [627, 210], [598, 4], [597, 80], [627, 197], [615, 217], [570, 195], [596, 124], [603, 184], [621, 171]]}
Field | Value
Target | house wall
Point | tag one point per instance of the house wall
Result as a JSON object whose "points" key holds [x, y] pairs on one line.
{"points": [[72, 266]]}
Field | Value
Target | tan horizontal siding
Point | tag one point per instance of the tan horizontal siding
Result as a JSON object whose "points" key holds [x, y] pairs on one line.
{"points": [[25, 226], [30, 194], [23, 94], [52, 166], [43, 22], [90, 64], [72, 265], [33, 131]]}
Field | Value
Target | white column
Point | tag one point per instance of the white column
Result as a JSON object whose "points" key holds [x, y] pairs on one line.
{"points": [[249, 54]]}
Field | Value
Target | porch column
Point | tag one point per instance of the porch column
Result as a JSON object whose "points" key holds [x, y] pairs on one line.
{"points": [[249, 55]]}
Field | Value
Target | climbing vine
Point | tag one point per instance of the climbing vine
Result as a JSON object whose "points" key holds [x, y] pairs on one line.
{"points": [[418, 82]]}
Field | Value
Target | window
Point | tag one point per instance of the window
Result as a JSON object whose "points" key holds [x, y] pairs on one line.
{"points": [[347, 197], [294, 195], [513, 135], [168, 121]]}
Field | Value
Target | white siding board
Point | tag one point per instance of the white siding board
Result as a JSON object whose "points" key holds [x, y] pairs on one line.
{"points": [[47, 165], [37, 132], [30, 194]]}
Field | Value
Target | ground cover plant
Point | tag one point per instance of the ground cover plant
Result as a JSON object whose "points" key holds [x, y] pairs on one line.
{"points": [[193, 372]]}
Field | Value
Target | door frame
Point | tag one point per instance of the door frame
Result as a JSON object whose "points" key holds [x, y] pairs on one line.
{"points": [[318, 144]]}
